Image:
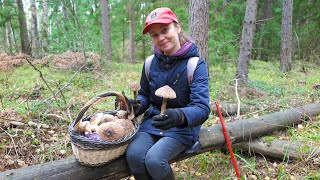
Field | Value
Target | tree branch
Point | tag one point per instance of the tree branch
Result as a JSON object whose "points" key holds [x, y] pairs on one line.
{"points": [[43, 79]]}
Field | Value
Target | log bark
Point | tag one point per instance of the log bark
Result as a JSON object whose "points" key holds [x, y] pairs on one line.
{"points": [[229, 109], [210, 138], [281, 149]]}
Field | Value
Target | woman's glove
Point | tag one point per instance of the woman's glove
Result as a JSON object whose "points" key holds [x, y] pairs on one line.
{"points": [[171, 118], [136, 104]]}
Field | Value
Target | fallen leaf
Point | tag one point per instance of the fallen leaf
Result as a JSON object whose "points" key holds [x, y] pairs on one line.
{"points": [[21, 163]]}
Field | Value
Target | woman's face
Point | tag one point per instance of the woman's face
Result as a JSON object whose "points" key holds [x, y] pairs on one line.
{"points": [[165, 37]]}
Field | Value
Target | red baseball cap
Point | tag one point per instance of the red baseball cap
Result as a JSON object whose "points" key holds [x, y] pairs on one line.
{"points": [[160, 16]]}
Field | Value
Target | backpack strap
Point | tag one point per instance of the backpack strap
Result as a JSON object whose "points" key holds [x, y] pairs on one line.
{"points": [[147, 65], [191, 67]]}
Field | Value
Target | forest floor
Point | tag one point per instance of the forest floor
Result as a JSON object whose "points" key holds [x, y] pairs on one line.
{"points": [[28, 136]]}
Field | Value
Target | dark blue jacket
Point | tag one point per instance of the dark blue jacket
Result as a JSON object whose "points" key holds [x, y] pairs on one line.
{"points": [[192, 99]]}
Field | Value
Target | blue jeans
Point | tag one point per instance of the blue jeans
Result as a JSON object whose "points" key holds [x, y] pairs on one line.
{"points": [[148, 155]]}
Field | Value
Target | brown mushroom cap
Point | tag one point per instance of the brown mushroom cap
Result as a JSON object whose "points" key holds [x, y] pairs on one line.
{"points": [[108, 118], [121, 114], [166, 92], [135, 86], [82, 126], [96, 119], [87, 128], [94, 127], [126, 124], [110, 131]]}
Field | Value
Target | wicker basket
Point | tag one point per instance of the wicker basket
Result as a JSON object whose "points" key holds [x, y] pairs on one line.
{"points": [[91, 152]]}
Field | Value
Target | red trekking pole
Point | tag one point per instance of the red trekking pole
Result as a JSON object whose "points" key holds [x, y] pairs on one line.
{"points": [[225, 133]]}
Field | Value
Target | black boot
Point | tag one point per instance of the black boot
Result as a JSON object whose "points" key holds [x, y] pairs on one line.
{"points": [[142, 176], [169, 176]]}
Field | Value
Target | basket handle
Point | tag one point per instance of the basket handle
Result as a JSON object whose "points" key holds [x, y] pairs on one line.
{"points": [[97, 98]]}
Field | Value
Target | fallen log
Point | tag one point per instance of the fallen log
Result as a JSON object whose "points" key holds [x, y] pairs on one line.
{"points": [[281, 149], [249, 129], [210, 138], [229, 109]]}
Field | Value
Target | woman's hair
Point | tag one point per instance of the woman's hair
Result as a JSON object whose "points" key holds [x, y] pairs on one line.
{"points": [[183, 38]]}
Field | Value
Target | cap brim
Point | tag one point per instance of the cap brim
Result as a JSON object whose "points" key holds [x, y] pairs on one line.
{"points": [[159, 21]]}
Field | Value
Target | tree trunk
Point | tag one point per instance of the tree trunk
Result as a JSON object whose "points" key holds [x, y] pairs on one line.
{"points": [[68, 20], [106, 29], [144, 41], [210, 138], [131, 31], [267, 13], [263, 42], [286, 37], [6, 31], [24, 38], [199, 26], [281, 149], [45, 20], [9, 37], [246, 42], [35, 36], [15, 43]]}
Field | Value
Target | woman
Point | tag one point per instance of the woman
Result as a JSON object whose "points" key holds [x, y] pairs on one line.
{"points": [[162, 137]]}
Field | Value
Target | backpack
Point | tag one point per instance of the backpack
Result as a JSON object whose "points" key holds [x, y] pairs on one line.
{"points": [[191, 67]]}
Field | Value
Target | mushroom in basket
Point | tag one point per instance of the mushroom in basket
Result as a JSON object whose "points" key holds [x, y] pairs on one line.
{"points": [[106, 126], [111, 131]]}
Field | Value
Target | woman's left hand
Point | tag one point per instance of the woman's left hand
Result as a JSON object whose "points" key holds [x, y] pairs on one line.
{"points": [[171, 118]]}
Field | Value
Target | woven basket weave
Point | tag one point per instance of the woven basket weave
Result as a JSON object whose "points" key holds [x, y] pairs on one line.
{"points": [[91, 152]]}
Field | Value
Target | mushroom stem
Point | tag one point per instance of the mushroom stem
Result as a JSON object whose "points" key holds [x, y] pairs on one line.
{"points": [[135, 95], [135, 86], [163, 106]]}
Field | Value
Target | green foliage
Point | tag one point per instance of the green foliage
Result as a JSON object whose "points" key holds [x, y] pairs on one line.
{"points": [[225, 31], [76, 25], [269, 88]]}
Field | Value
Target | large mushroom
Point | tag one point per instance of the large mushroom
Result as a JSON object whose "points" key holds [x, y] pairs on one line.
{"points": [[96, 119], [135, 87], [110, 131], [126, 124], [166, 92]]}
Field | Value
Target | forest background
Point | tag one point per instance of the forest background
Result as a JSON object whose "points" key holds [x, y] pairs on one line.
{"points": [[76, 26], [60, 32]]}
